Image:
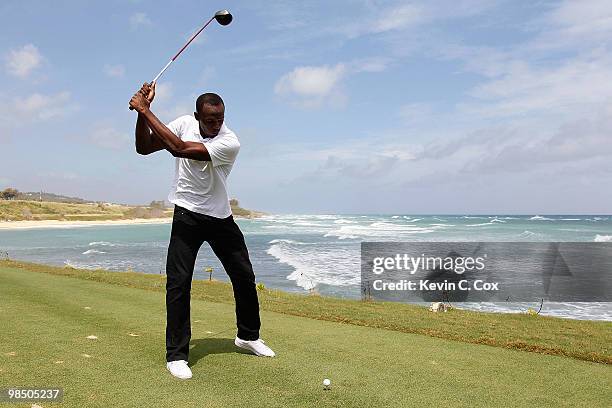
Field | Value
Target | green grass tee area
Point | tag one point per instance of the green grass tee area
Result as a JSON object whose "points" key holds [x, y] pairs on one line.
{"points": [[375, 354]]}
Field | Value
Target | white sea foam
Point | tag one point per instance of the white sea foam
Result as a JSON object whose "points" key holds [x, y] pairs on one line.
{"points": [[288, 241], [335, 234], [491, 222], [574, 310], [571, 219], [320, 264], [540, 218], [101, 243], [307, 224], [382, 230], [602, 238], [343, 221], [411, 219], [532, 235], [93, 251]]}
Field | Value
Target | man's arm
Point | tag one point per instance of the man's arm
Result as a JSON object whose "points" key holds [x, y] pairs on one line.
{"points": [[162, 135], [172, 143], [146, 142]]}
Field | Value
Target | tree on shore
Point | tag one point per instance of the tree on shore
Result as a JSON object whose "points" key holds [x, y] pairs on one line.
{"points": [[9, 193], [158, 204]]}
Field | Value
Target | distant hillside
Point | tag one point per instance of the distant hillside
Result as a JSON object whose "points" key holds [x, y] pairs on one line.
{"points": [[23, 210], [27, 206], [50, 197], [243, 212]]}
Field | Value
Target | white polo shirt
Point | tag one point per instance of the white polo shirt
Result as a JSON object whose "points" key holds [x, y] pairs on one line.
{"points": [[200, 186]]}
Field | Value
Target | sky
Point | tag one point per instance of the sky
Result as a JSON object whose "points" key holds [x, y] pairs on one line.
{"points": [[347, 106]]}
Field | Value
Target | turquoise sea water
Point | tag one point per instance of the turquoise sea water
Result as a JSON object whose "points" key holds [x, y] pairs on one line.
{"points": [[298, 252]]}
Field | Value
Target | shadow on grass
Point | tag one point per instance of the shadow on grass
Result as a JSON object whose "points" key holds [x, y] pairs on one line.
{"points": [[203, 347]]}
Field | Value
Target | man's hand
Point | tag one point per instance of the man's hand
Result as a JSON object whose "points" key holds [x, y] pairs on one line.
{"points": [[139, 102], [148, 90]]}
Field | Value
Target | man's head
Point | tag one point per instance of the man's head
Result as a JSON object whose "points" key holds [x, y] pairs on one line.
{"points": [[210, 113]]}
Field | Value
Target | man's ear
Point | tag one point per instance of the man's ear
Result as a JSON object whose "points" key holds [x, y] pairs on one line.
{"points": [[196, 116]]}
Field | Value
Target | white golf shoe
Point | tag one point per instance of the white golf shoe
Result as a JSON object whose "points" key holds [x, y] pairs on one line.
{"points": [[179, 369], [256, 346]]}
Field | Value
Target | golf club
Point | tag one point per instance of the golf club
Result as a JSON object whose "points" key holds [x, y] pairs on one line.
{"points": [[223, 17]]}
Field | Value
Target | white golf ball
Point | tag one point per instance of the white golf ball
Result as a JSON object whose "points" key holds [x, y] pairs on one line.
{"points": [[326, 382]]}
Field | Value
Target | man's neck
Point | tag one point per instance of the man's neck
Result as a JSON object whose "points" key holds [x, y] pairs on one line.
{"points": [[204, 135]]}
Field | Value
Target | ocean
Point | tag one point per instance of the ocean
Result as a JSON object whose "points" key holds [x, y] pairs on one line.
{"points": [[300, 253]]}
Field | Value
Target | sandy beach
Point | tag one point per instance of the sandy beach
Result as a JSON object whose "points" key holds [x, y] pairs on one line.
{"points": [[5, 225]]}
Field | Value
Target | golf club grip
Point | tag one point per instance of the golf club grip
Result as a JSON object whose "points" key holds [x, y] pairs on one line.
{"points": [[154, 81]]}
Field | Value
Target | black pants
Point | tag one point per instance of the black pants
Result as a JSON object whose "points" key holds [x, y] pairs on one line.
{"points": [[189, 231]]}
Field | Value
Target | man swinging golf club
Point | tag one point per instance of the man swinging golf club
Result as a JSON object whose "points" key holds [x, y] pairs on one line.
{"points": [[205, 150]]}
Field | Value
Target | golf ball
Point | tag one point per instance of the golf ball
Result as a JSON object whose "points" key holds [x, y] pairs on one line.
{"points": [[326, 382]]}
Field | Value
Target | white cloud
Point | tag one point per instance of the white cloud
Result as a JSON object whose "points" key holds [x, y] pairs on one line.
{"points": [[19, 112], [114, 71], [310, 81], [163, 93], [400, 17], [21, 62], [169, 112], [105, 135], [373, 64], [575, 86], [560, 72], [576, 22], [366, 160], [514, 151], [311, 84], [42, 107], [167, 107], [139, 19]]}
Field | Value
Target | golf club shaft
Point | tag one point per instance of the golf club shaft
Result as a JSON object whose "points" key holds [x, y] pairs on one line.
{"points": [[182, 49], [162, 71]]}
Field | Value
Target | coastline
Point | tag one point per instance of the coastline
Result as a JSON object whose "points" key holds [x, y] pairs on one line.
{"points": [[36, 224], [13, 225]]}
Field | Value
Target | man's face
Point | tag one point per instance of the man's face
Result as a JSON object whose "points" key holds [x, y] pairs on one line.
{"points": [[211, 119]]}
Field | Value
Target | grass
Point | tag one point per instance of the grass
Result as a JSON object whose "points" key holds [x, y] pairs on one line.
{"points": [[20, 210], [579, 339], [48, 316]]}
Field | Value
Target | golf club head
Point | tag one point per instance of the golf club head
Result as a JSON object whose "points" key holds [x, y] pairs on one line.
{"points": [[223, 17]]}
